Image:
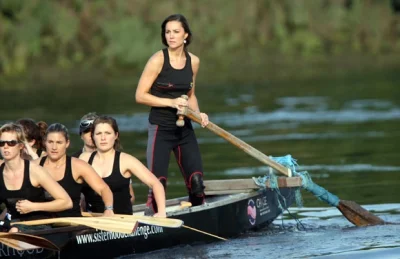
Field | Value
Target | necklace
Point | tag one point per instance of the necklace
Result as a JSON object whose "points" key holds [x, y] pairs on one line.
{"points": [[57, 166]]}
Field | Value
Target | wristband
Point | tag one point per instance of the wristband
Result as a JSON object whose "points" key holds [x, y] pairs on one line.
{"points": [[108, 207]]}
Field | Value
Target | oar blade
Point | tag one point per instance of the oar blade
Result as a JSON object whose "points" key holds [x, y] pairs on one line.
{"points": [[21, 241], [358, 215]]}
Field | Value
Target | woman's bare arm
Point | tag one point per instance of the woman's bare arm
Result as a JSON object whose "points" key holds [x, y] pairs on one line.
{"points": [[135, 167], [40, 177]]}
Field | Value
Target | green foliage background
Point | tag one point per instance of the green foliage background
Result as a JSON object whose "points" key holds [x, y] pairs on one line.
{"points": [[122, 34]]}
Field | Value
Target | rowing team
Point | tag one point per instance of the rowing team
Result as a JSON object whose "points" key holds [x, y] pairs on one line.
{"points": [[39, 180]]}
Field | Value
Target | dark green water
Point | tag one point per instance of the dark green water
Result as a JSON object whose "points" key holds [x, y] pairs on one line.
{"points": [[344, 129]]}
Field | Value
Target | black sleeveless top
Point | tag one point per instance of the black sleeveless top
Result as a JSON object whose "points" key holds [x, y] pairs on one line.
{"points": [[119, 186], [71, 187], [170, 83], [27, 192]]}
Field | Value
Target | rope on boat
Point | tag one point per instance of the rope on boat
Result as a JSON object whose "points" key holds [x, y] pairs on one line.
{"points": [[307, 183], [288, 162]]}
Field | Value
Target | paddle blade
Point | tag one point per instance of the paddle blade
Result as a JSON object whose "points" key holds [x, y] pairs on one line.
{"points": [[358, 215], [21, 241]]}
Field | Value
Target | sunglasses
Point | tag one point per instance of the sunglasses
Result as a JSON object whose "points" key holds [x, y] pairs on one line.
{"points": [[10, 143], [86, 123]]}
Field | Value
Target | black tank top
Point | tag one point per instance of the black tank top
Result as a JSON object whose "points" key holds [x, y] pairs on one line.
{"points": [[71, 187], [27, 192], [170, 83], [119, 186]]}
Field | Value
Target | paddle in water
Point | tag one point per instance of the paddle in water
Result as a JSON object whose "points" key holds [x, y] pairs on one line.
{"points": [[350, 209]]}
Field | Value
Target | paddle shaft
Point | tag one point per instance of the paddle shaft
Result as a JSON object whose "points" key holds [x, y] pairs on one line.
{"points": [[205, 233], [240, 144]]}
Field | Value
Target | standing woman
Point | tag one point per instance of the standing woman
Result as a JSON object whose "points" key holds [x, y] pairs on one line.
{"points": [[22, 183], [71, 172], [116, 169], [34, 133], [170, 73]]}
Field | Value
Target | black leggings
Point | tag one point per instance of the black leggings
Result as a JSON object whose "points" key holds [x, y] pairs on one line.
{"points": [[161, 141]]}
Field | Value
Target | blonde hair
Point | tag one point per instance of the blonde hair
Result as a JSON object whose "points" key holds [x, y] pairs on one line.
{"points": [[13, 127]]}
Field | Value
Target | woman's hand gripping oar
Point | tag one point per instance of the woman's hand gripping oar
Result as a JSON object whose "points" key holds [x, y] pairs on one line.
{"points": [[350, 209], [238, 143]]}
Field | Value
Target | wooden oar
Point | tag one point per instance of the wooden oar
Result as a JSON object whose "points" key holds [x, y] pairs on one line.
{"points": [[162, 222], [350, 209], [101, 223], [21, 241], [240, 144]]}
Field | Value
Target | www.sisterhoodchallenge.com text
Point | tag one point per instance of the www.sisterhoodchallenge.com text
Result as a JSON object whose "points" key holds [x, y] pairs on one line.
{"points": [[100, 236]]}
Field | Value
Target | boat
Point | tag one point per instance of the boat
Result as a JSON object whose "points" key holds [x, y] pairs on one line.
{"points": [[232, 207]]}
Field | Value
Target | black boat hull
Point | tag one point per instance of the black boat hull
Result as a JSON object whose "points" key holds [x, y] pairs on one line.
{"points": [[224, 215]]}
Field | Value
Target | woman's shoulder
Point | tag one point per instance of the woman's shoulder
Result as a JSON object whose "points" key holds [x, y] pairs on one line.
{"points": [[157, 58], [78, 161], [124, 156]]}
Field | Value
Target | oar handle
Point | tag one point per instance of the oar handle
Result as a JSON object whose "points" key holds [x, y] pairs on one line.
{"points": [[240, 144], [181, 114]]}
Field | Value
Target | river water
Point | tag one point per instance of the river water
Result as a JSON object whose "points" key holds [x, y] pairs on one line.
{"points": [[344, 130]]}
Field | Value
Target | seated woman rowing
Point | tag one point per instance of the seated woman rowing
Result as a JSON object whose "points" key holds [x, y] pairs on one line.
{"points": [[71, 172], [85, 132], [116, 169], [22, 183]]}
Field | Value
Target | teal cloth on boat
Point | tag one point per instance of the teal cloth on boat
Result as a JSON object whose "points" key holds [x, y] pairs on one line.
{"points": [[289, 162]]}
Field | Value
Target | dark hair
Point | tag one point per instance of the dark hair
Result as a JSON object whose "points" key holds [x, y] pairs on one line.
{"points": [[113, 123], [57, 127], [34, 131], [185, 25]]}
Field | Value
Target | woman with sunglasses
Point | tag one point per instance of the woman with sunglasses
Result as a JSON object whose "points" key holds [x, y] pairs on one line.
{"points": [[23, 184], [34, 132], [116, 169], [71, 172], [169, 74]]}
